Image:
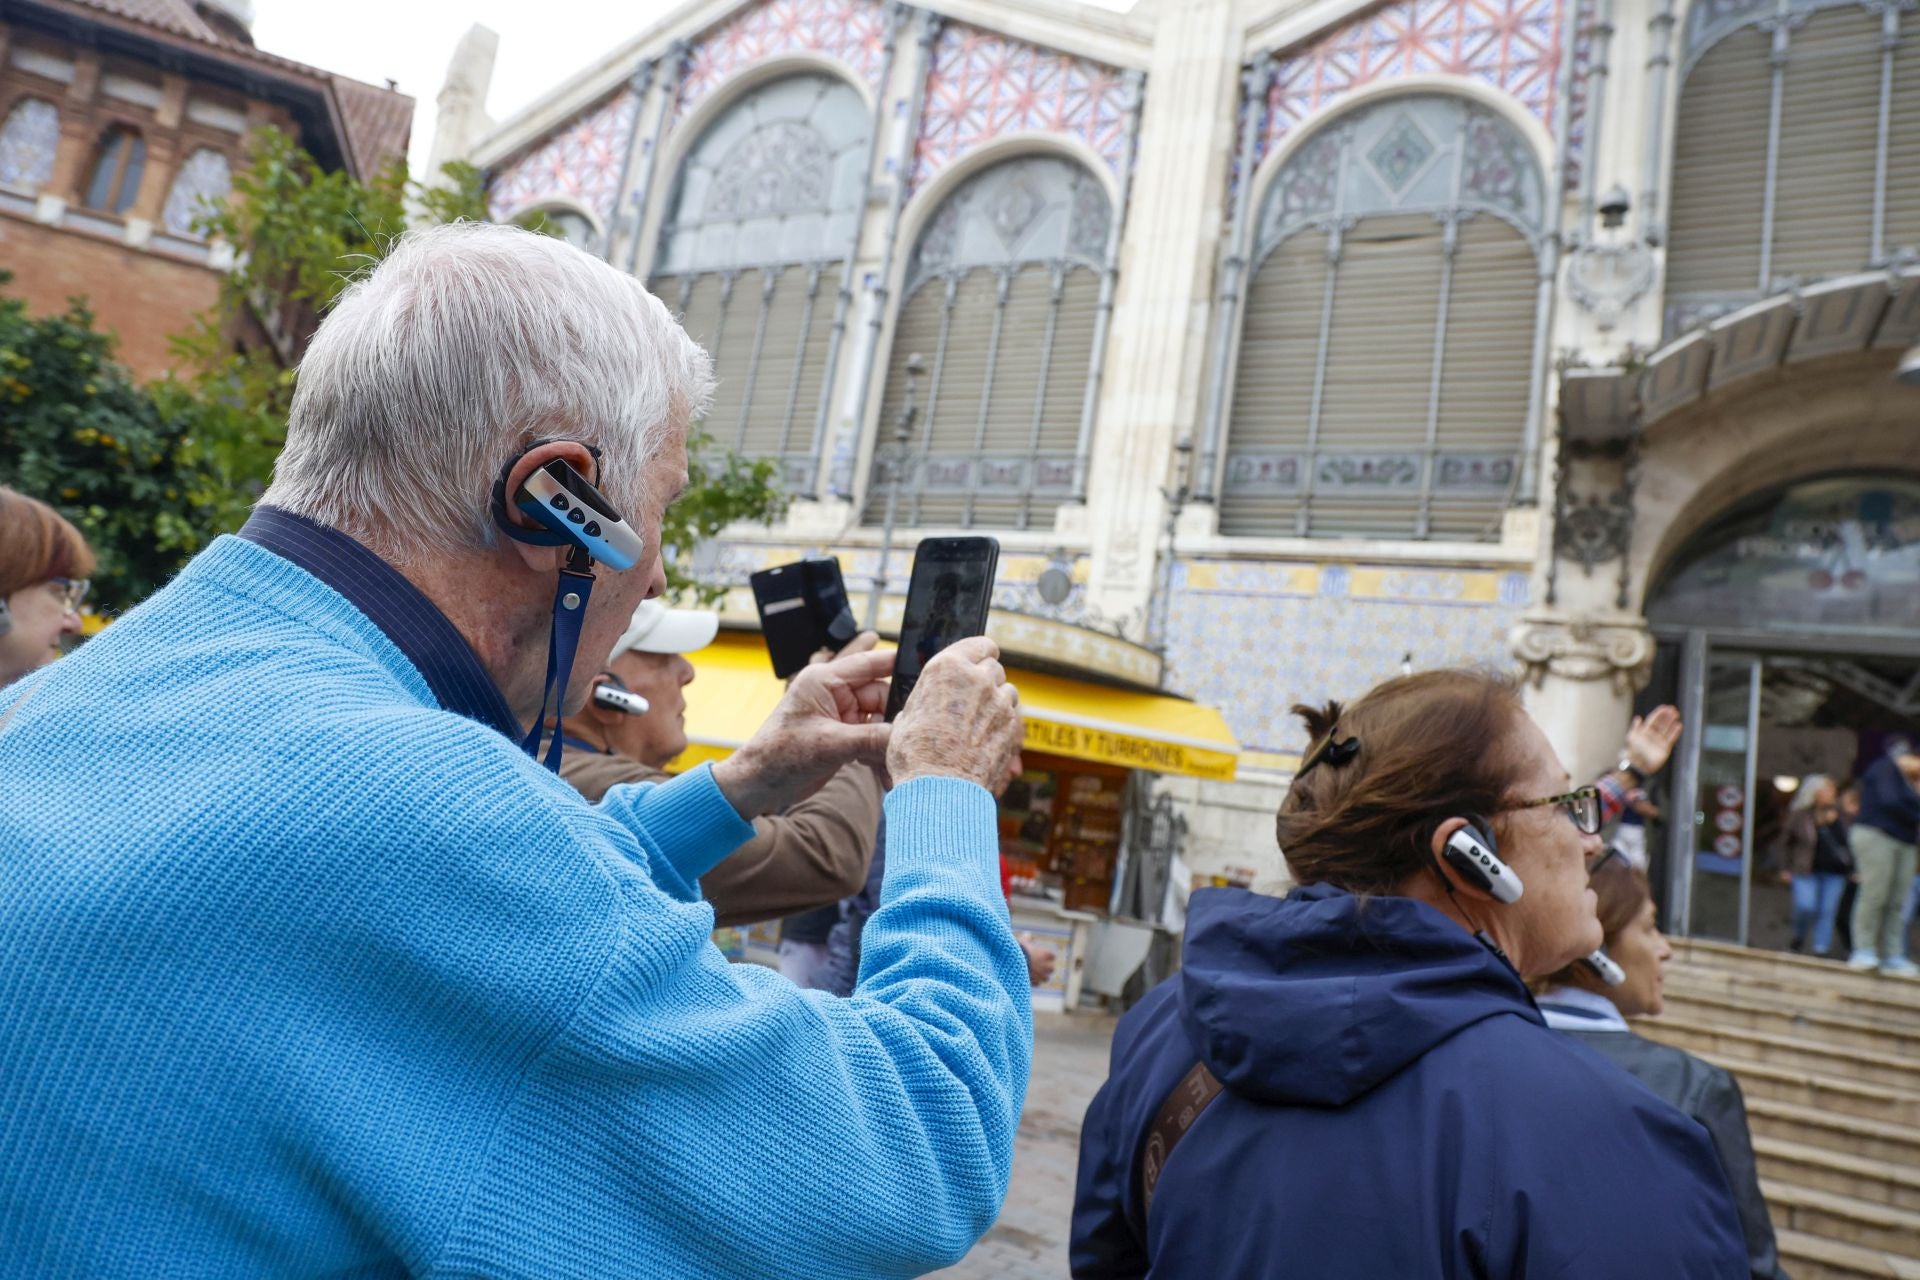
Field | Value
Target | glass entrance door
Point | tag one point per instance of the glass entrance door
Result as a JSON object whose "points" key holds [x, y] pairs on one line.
{"points": [[1721, 695]]}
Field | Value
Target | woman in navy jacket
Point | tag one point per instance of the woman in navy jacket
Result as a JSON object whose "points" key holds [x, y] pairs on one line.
{"points": [[1360, 1083]]}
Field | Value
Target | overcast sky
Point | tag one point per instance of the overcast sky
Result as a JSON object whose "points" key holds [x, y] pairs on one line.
{"points": [[410, 41]]}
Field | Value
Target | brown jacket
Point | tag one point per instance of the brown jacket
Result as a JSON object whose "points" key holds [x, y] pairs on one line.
{"points": [[815, 853]]}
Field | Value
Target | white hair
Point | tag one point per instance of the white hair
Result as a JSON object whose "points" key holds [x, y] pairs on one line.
{"points": [[462, 346]]}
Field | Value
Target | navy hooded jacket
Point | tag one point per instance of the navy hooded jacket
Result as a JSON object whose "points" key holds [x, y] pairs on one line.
{"points": [[1394, 1107]]}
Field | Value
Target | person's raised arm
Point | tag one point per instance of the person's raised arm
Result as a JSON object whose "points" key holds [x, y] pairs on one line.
{"points": [[697, 1118]]}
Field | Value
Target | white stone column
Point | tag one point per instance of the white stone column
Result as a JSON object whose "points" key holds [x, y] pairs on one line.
{"points": [[1156, 352]]}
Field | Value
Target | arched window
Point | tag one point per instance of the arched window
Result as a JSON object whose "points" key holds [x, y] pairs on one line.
{"points": [[1385, 361], [1796, 152], [200, 187], [1002, 292], [117, 167], [764, 214], [28, 141], [569, 224]]}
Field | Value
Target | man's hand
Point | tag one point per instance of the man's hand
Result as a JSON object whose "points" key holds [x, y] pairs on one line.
{"points": [[1650, 740], [825, 722], [961, 721], [1039, 961]]}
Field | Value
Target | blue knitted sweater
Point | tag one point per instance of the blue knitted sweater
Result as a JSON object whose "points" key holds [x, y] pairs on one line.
{"points": [[301, 975]]}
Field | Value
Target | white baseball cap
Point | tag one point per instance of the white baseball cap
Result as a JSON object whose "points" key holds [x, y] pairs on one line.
{"points": [[658, 629]]}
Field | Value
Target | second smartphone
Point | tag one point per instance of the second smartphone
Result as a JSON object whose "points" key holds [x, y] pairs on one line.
{"points": [[947, 601]]}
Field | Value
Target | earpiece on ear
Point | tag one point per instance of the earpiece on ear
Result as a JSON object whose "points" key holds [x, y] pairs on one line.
{"points": [[1604, 968], [1470, 851], [6, 618], [565, 510]]}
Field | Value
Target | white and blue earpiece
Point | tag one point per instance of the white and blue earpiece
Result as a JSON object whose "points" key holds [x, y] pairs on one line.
{"points": [[1471, 852]]}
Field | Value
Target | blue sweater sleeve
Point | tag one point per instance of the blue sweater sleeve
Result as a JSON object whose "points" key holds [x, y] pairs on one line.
{"points": [[692, 824], [701, 1119]]}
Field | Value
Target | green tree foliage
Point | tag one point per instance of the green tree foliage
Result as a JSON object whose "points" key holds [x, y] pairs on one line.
{"points": [[77, 433]]}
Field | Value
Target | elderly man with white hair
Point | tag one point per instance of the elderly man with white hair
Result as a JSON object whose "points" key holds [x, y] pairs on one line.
{"points": [[309, 969]]}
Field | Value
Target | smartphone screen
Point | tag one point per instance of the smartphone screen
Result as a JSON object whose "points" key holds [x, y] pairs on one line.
{"points": [[947, 600]]}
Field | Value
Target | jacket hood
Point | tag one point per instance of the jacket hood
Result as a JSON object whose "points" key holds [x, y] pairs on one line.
{"points": [[1317, 997]]}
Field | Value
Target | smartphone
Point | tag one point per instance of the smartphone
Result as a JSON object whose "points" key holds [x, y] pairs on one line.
{"points": [[605, 695], [803, 609], [947, 600]]}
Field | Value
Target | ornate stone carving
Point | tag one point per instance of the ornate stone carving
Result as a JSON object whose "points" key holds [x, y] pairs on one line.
{"points": [[1605, 279], [1595, 529], [1583, 647]]}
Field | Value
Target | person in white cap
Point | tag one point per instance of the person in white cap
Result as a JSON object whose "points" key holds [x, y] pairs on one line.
{"points": [[814, 854]]}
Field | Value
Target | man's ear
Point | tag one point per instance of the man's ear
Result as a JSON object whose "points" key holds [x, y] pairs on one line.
{"points": [[576, 455]]}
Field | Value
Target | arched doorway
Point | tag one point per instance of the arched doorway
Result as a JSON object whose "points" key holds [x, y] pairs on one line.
{"points": [[1789, 629]]}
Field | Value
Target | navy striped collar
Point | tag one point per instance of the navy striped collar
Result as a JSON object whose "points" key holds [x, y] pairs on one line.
{"points": [[416, 626]]}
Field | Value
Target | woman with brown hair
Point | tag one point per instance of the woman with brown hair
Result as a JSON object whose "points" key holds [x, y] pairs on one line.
{"points": [[44, 563], [1578, 1002], [1354, 1081]]}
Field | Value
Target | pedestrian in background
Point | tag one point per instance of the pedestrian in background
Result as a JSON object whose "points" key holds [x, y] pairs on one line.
{"points": [[1577, 1002], [44, 563], [1353, 1082], [1882, 840], [1814, 860]]}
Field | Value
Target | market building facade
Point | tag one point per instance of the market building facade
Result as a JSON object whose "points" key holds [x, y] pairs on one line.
{"points": [[1286, 346]]}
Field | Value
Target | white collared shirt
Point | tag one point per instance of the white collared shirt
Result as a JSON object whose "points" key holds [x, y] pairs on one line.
{"points": [[1575, 1009]]}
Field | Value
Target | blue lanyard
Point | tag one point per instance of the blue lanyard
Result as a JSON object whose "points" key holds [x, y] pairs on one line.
{"points": [[569, 611]]}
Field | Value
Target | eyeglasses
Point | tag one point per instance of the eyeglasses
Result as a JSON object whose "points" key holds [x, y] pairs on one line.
{"points": [[1582, 807], [73, 591]]}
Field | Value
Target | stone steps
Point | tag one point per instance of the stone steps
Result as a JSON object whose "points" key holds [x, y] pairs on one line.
{"points": [[1807, 1257], [1837, 1217], [1805, 972], [1863, 1065], [1828, 1093], [1889, 1004], [1850, 1135], [1828, 1028], [1874, 1181]]}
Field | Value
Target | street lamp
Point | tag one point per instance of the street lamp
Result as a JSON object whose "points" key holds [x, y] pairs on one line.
{"points": [[902, 432], [1177, 495]]}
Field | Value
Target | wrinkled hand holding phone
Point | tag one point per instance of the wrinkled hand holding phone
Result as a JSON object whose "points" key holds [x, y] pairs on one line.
{"points": [[965, 723]]}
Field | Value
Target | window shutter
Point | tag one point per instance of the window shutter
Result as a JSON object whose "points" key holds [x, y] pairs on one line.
{"points": [[1486, 376], [1903, 141], [1720, 170], [1373, 417], [1829, 129], [1273, 389]]}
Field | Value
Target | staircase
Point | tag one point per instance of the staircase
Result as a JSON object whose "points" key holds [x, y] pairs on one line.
{"points": [[1829, 1061]]}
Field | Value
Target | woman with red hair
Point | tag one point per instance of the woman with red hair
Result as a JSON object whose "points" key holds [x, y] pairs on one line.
{"points": [[44, 563]]}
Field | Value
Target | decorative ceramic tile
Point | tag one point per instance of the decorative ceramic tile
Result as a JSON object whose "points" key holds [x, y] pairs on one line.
{"points": [[983, 85], [1255, 644], [853, 32], [579, 163], [1514, 46]]}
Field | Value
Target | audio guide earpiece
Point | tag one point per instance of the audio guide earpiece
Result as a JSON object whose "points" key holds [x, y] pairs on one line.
{"points": [[571, 512], [1473, 852], [1604, 967]]}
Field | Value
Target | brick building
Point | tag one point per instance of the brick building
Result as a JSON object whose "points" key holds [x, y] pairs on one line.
{"points": [[119, 119]]}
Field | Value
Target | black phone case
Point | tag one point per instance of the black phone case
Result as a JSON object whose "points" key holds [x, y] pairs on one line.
{"points": [[976, 621], [803, 609]]}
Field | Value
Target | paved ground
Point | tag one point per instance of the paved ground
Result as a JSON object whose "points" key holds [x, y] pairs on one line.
{"points": [[1029, 1242]]}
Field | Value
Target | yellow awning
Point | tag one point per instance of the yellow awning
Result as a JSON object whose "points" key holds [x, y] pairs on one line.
{"points": [[734, 691]]}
